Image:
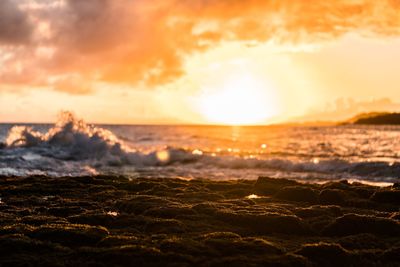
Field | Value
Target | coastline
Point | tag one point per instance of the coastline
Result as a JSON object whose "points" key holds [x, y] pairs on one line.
{"points": [[115, 221]]}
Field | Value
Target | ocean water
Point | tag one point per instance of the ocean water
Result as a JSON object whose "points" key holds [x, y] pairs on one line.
{"points": [[71, 147]]}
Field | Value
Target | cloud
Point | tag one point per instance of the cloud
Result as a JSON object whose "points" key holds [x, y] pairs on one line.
{"points": [[15, 27], [73, 84], [143, 41]]}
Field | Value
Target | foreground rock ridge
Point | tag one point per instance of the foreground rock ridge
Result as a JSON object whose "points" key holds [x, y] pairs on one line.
{"points": [[116, 221]]}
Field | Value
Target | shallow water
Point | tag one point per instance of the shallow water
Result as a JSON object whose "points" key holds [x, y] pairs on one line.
{"points": [[71, 147]]}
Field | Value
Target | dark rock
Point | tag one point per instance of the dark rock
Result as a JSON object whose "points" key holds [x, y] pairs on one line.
{"points": [[351, 224], [326, 254], [129, 255], [40, 220], [64, 211], [205, 208], [195, 197], [71, 234], [139, 204], [298, 193], [165, 226], [387, 196], [395, 216], [93, 219], [170, 212], [269, 186], [120, 240], [113, 221], [362, 241], [266, 223], [342, 185], [334, 197], [228, 245], [392, 255], [318, 210], [17, 243]]}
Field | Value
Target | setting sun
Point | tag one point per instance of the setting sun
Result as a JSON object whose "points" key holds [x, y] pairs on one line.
{"points": [[239, 100]]}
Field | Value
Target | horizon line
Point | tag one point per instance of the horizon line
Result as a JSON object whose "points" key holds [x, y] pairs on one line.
{"points": [[288, 123]]}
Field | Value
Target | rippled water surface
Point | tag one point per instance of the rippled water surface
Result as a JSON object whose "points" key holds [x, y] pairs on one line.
{"points": [[71, 147]]}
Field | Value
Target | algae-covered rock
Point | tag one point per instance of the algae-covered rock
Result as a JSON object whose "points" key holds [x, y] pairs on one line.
{"points": [[70, 234], [387, 196], [269, 186], [298, 193], [351, 224], [116, 221], [326, 254]]}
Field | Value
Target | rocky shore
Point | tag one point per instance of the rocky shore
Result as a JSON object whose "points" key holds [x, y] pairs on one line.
{"points": [[116, 221]]}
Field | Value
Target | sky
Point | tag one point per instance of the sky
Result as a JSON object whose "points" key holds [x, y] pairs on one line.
{"points": [[205, 61]]}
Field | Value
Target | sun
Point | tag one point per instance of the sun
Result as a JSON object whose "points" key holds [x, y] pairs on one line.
{"points": [[239, 100]]}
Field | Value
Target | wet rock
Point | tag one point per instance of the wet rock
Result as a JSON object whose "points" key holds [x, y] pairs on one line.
{"points": [[395, 216], [19, 250], [64, 211], [266, 223], [326, 254], [158, 226], [17, 243], [392, 255], [170, 212], [351, 224], [298, 193], [362, 241], [114, 221], [221, 235], [269, 186], [40, 220], [318, 210], [195, 197], [205, 208], [117, 241], [387, 196], [341, 185], [363, 191], [93, 219], [227, 245], [71, 234], [129, 255], [334, 197], [16, 228], [139, 204]]}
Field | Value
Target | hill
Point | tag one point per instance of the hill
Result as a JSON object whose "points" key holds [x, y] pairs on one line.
{"points": [[376, 118]]}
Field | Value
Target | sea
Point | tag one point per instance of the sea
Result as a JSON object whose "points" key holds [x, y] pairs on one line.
{"points": [[72, 147]]}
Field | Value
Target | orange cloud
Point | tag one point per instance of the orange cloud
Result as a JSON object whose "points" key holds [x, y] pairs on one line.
{"points": [[144, 41]]}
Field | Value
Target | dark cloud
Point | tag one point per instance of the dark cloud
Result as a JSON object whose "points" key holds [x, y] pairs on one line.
{"points": [[141, 41], [14, 25]]}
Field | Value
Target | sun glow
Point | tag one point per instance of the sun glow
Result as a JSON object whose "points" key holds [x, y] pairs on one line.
{"points": [[240, 100]]}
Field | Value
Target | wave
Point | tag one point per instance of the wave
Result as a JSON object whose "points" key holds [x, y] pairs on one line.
{"points": [[74, 140], [73, 146]]}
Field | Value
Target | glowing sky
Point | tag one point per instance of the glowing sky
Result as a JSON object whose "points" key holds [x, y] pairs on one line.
{"points": [[177, 61]]}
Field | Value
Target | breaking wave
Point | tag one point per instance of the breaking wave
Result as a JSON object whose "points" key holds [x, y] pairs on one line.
{"points": [[74, 140], [74, 147]]}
